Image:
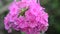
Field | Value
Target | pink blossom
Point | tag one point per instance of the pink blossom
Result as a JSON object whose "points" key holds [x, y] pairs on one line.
{"points": [[33, 20]]}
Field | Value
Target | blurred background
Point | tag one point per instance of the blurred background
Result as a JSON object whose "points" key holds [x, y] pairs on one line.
{"points": [[52, 8]]}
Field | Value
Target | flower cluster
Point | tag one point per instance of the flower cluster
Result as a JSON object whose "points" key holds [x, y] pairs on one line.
{"points": [[27, 16]]}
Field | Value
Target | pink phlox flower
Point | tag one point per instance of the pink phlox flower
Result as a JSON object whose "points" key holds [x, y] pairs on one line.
{"points": [[33, 20]]}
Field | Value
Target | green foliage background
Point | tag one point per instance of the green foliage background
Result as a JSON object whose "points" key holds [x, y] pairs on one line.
{"points": [[52, 8]]}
